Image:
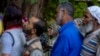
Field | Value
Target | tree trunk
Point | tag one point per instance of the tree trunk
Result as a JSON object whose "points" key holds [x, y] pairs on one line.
{"points": [[35, 9], [29, 9], [16, 2]]}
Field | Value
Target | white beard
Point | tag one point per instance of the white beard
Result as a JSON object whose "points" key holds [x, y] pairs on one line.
{"points": [[87, 28]]}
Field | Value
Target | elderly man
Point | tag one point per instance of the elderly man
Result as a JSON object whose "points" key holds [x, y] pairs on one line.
{"points": [[69, 41], [33, 29], [84, 29], [91, 41]]}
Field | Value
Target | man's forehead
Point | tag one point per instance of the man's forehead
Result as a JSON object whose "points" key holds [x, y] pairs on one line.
{"points": [[34, 19], [60, 9], [57, 9], [87, 12]]}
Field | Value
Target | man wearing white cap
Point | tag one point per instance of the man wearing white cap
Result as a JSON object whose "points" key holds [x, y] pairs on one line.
{"points": [[91, 41]]}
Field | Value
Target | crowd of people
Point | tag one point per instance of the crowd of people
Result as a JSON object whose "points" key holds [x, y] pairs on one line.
{"points": [[24, 36]]}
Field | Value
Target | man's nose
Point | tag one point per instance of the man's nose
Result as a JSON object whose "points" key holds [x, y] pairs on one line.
{"points": [[25, 23]]}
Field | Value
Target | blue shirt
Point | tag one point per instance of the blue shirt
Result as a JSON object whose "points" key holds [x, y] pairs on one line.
{"points": [[69, 41]]}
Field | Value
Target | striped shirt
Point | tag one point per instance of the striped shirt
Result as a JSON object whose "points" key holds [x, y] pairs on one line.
{"points": [[89, 47]]}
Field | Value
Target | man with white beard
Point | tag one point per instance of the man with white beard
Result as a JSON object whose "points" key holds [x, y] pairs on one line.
{"points": [[91, 24], [84, 29]]}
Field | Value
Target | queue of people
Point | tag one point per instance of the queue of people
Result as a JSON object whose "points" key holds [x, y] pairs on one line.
{"points": [[68, 37]]}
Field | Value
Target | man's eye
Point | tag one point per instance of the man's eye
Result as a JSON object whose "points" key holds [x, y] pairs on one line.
{"points": [[85, 16], [55, 12]]}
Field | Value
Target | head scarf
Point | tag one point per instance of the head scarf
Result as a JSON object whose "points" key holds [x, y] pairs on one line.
{"points": [[95, 12]]}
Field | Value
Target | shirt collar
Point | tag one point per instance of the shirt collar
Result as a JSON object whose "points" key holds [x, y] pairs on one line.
{"points": [[12, 27], [28, 42], [66, 25]]}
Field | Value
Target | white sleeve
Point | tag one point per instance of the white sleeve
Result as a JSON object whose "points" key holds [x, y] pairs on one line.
{"points": [[6, 41], [36, 53]]}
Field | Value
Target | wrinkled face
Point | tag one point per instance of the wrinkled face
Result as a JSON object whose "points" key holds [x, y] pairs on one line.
{"points": [[28, 26], [58, 16], [50, 32], [88, 21], [87, 18]]}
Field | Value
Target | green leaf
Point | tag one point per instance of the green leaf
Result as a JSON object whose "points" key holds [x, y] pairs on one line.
{"points": [[60, 1], [33, 1]]}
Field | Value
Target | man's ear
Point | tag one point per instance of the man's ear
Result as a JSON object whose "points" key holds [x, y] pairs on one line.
{"points": [[63, 12], [33, 31]]}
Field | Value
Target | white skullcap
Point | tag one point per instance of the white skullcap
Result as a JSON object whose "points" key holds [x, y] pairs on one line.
{"points": [[95, 12]]}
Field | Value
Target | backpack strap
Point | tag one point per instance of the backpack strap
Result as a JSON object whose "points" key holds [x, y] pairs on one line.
{"points": [[12, 38], [27, 45], [30, 48], [36, 40]]}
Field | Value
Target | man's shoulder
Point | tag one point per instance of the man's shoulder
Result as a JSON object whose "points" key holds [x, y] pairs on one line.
{"points": [[70, 32], [36, 52], [70, 29], [15, 33], [14, 30]]}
